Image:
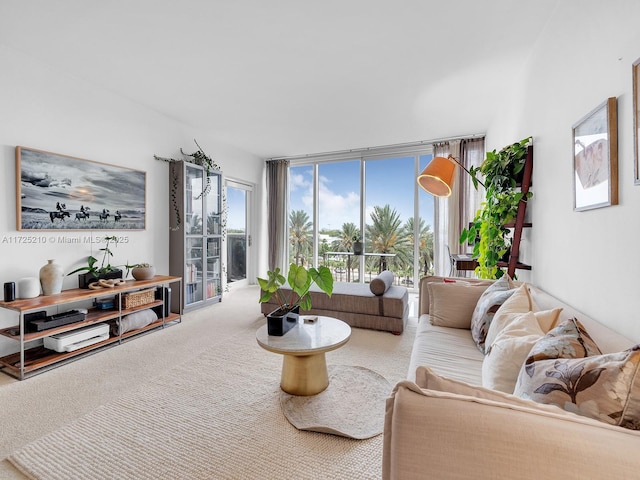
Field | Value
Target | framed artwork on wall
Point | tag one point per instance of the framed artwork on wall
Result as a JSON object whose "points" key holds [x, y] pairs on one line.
{"points": [[59, 192], [636, 119], [595, 158]]}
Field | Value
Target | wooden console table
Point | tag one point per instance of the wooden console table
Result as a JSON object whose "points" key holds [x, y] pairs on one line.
{"points": [[33, 358]]}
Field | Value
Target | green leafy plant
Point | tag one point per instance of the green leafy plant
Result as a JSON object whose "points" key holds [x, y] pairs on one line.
{"points": [[92, 267], [130, 267], [300, 280], [489, 230]]}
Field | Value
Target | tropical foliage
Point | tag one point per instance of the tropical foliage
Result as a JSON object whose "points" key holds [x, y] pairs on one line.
{"points": [[300, 235], [300, 280], [502, 198], [385, 233]]}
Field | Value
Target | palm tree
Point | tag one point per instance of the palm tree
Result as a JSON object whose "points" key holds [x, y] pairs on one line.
{"points": [[300, 235], [425, 245], [347, 236], [385, 235]]}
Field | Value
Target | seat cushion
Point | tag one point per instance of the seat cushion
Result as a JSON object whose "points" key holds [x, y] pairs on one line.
{"points": [[450, 352]]}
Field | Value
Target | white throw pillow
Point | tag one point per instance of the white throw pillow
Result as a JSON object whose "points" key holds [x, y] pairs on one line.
{"points": [[503, 361], [520, 302]]}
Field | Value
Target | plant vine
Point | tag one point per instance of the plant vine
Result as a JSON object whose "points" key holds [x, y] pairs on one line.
{"points": [[199, 157], [488, 230]]}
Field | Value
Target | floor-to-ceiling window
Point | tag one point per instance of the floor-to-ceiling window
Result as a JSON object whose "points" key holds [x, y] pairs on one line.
{"points": [[389, 212], [301, 208], [334, 202], [339, 217]]}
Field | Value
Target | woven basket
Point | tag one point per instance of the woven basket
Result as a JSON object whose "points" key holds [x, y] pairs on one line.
{"points": [[136, 299]]}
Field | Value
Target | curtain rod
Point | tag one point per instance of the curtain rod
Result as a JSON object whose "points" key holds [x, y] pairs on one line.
{"points": [[382, 147]]}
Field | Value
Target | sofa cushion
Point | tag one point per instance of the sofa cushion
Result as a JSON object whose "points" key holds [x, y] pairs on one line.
{"points": [[448, 351], [452, 304], [508, 352], [381, 282], [604, 387], [494, 296]]}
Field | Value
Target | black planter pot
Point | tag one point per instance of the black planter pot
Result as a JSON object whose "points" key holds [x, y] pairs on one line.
{"points": [[279, 323], [357, 248], [84, 279]]}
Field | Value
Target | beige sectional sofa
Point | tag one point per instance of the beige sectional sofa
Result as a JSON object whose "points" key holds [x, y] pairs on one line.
{"points": [[442, 424], [355, 304]]}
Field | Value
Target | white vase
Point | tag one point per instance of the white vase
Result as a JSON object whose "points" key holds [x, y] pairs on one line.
{"points": [[28, 287], [51, 276]]}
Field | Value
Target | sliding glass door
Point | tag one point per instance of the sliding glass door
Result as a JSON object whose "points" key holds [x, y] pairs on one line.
{"points": [[238, 234], [335, 203]]}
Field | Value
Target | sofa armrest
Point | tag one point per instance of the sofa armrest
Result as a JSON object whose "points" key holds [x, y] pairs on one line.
{"points": [[436, 434]]}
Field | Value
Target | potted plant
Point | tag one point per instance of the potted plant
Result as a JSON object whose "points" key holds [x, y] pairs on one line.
{"points": [[299, 280], [501, 171], [357, 244], [93, 272], [141, 271]]}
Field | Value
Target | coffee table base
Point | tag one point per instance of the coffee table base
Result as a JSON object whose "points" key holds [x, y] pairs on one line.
{"points": [[304, 374]]}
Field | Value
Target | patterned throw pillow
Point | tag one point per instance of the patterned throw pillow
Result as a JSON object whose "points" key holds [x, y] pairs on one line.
{"points": [[489, 302], [604, 387], [568, 340]]}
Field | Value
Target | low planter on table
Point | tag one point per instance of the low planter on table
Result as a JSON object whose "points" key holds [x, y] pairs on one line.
{"points": [[280, 322]]}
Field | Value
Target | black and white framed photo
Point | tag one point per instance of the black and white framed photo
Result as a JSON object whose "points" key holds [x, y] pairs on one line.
{"points": [[595, 158], [59, 192]]}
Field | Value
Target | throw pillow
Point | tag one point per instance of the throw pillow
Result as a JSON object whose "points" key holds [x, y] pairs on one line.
{"points": [[381, 282], [452, 304], [508, 352], [604, 387], [568, 340], [519, 302], [494, 296]]}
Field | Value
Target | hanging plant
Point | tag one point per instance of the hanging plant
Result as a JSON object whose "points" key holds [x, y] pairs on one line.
{"points": [[197, 158], [501, 171]]}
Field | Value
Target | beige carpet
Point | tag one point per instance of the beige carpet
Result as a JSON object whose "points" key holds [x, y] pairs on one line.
{"points": [[217, 416]]}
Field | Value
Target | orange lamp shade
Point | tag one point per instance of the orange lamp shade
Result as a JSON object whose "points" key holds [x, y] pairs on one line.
{"points": [[438, 176]]}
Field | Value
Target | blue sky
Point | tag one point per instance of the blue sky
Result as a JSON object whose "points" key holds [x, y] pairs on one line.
{"points": [[389, 181], [236, 213]]}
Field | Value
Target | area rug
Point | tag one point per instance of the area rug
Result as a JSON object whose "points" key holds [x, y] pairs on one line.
{"points": [[351, 406], [216, 416]]}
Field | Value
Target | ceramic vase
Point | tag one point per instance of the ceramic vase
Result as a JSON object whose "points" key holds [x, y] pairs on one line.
{"points": [[51, 276], [143, 273]]}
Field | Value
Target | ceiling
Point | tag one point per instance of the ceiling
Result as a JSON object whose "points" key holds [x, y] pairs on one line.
{"points": [[288, 77]]}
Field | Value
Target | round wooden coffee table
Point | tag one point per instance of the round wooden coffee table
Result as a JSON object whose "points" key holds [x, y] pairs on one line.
{"points": [[304, 366]]}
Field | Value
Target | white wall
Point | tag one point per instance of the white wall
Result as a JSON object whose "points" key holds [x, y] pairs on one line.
{"points": [[43, 108], [588, 259]]}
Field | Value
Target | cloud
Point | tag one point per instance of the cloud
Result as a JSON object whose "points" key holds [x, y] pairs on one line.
{"points": [[337, 209]]}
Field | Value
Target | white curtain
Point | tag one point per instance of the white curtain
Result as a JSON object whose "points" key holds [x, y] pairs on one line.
{"points": [[454, 213]]}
